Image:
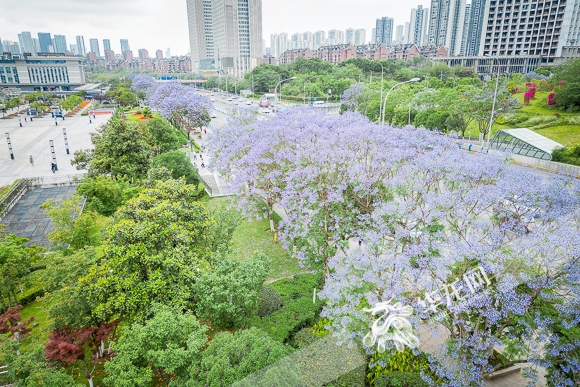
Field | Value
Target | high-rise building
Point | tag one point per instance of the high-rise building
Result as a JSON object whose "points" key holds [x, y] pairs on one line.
{"points": [[168, 53], [45, 40], [466, 25], [73, 48], [1, 46], [446, 24], [407, 35], [36, 44], [159, 54], [360, 37], [336, 37], [542, 27], [307, 40], [125, 45], [94, 43], [349, 36], [12, 47], [475, 31], [373, 35], [81, 50], [229, 32], [418, 26], [106, 45], [26, 43], [60, 44], [279, 43], [128, 55], [143, 53], [296, 40], [318, 39], [384, 31], [399, 34]]}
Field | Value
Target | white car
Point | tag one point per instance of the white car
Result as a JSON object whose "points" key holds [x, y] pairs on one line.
{"points": [[249, 103], [229, 100], [265, 111], [213, 115], [212, 99]]}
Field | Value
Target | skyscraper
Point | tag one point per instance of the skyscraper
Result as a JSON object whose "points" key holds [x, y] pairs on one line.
{"points": [[81, 50], [229, 32], [26, 43], [143, 54], [336, 37], [360, 37], [466, 25], [12, 47], [349, 36], [407, 35], [106, 45], [36, 44], [307, 40], [318, 39], [73, 48], [45, 40], [94, 43], [373, 35], [418, 25], [159, 54], [399, 34], [384, 31], [125, 45], [477, 14], [446, 24], [1, 47], [168, 53], [60, 44]]}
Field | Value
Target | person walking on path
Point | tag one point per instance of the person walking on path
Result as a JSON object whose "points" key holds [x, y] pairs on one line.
{"points": [[31, 161], [52, 167]]}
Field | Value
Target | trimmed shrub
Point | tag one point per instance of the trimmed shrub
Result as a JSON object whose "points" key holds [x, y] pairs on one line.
{"points": [[538, 120], [269, 301], [400, 379]]}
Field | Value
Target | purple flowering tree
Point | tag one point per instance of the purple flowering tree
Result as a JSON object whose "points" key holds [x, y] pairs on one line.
{"points": [[181, 105], [430, 217], [143, 83]]}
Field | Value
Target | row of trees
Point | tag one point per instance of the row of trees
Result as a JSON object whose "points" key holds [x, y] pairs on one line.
{"points": [[427, 215]]}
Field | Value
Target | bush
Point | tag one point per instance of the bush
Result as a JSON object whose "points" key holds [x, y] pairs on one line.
{"points": [[567, 155], [304, 338], [538, 120], [298, 311], [104, 194], [179, 165], [269, 301], [394, 361], [400, 379]]}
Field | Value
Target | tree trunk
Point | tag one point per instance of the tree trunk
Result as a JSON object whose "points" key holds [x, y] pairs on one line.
{"points": [[271, 218], [91, 382]]}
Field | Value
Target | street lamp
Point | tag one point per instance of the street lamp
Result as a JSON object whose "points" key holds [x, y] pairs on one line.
{"points": [[492, 109], [387, 97], [283, 80], [382, 78]]}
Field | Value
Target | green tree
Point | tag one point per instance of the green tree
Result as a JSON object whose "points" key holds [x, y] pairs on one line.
{"points": [[231, 357], [103, 194], [179, 165], [166, 345], [229, 295], [219, 234], [120, 148], [74, 229], [153, 254], [62, 271]]}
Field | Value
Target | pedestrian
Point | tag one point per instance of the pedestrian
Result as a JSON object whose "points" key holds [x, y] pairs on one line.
{"points": [[52, 167], [202, 165], [205, 130], [195, 156], [31, 160], [24, 119]]}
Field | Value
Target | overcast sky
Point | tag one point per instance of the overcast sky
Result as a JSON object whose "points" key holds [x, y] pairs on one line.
{"points": [[160, 24]]}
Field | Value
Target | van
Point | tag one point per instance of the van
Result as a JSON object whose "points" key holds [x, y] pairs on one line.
{"points": [[317, 103]]}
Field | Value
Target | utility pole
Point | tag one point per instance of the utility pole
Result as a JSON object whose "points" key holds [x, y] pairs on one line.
{"points": [[53, 154], [65, 141], [9, 146]]}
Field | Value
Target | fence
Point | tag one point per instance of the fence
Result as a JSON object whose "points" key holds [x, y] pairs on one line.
{"points": [[12, 196]]}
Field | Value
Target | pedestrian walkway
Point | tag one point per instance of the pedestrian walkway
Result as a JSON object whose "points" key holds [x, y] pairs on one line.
{"points": [[27, 220]]}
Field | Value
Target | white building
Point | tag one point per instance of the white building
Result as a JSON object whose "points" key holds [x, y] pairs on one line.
{"points": [[446, 24], [307, 40], [399, 34], [335, 37], [373, 35], [94, 43], [41, 73], [81, 50], [419, 26], [360, 37], [385, 31], [225, 34], [349, 36], [318, 39], [26, 43]]}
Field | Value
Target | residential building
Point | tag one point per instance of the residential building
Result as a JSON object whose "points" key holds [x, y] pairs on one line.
{"points": [[296, 40], [106, 45], [384, 31], [143, 54], [475, 31], [74, 50], [11, 47], [419, 26], [41, 73], [168, 53], [542, 27], [128, 55], [338, 53], [94, 43], [373, 36], [446, 24], [91, 56], [466, 26], [1, 47], [268, 59], [26, 43], [399, 34], [349, 36], [109, 55], [307, 40], [264, 46], [125, 45], [81, 50], [336, 37], [279, 43], [227, 32], [360, 37], [318, 39], [158, 54], [407, 34], [411, 50], [45, 40], [60, 45]]}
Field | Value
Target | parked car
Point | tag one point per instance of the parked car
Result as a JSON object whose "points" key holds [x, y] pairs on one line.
{"points": [[265, 111], [249, 103], [213, 115]]}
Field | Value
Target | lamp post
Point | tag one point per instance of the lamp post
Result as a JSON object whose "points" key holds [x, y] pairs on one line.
{"points": [[492, 109], [279, 83], [382, 78], [387, 97]]}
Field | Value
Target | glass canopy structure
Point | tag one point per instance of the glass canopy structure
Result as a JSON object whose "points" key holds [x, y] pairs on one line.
{"points": [[524, 142]]}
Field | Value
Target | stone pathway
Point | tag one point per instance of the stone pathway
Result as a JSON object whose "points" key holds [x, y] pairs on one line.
{"points": [[27, 220]]}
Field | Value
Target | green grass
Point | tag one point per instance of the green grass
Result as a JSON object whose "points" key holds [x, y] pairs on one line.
{"points": [[131, 118], [568, 135], [256, 235], [39, 310]]}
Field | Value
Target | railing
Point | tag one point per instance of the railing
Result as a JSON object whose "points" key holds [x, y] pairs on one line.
{"points": [[12, 196]]}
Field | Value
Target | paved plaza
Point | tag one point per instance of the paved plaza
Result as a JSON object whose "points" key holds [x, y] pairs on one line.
{"points": [[32, 139]]}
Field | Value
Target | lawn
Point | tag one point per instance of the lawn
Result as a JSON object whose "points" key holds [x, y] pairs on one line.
{"points": [[568, 135], [255, 236], [130, 117]]}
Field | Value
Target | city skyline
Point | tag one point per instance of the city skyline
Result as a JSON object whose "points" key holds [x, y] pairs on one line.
{"points": [[128, 20]]}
